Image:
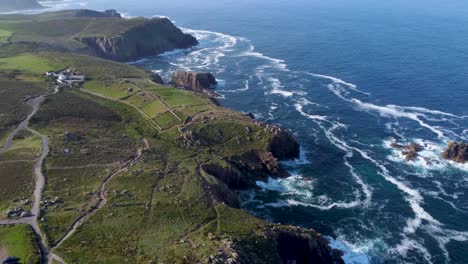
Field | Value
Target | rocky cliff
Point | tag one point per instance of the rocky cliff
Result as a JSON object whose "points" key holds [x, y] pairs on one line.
{"points": [[200, 82], [151, 38], [456, 151]]}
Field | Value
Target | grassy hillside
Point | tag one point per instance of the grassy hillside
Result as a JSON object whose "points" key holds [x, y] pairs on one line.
{"points": [[18, 241], [166, 161]]}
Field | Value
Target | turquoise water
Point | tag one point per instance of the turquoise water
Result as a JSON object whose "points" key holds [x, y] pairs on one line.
{"points": [[348, 78]]}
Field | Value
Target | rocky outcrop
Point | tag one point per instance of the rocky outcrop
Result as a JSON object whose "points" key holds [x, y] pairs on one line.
{"points": [[156, 78], [18, 5], [151, 38], [456, 151], [283, 144], [299, 245], [243, 171], [200, 82], [409, 151]]}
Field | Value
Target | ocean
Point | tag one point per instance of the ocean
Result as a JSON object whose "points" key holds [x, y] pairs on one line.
{"points": [[349, 78]]}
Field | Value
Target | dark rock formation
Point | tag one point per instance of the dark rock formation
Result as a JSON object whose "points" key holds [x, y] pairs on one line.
{"points": [[409, 151], [18, 5], [299, 245], [153, 37], [242, 172], [196, 81], [156, 78], [283, 145], [456, 151]]}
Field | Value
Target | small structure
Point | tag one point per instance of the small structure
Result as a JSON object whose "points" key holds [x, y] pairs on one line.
{"points": [[62, 78], [66, 76], [10, 260], [77, 78]]}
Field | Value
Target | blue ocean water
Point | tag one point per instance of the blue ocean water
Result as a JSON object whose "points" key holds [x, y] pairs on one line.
{"points": [[348, 78]]}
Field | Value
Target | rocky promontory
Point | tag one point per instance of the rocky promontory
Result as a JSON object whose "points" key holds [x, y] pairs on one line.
{"points": [[147, 37], [456, 151], [201, 82]]}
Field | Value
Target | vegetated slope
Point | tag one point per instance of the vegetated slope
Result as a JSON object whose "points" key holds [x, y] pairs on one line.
{"points": [[17, 5], [19, 241], [178, 203], [103, 34]]}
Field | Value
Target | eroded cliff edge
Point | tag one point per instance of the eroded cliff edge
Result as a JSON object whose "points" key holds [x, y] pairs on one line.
{"points": [[149, 38]]}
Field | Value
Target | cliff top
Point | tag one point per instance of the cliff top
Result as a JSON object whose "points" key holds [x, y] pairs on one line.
{"points": [[65, 30]]}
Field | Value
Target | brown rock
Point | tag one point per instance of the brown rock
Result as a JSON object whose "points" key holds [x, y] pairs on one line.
{"points": [[409, 151], [456, 151], [197, 81]]}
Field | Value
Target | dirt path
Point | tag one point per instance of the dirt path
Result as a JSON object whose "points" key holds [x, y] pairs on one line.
{"points": [[35, 102], [102, 200], [39, 176]]}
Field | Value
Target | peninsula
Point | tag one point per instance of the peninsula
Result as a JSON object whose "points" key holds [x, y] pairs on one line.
{"points": [[113, 167]]}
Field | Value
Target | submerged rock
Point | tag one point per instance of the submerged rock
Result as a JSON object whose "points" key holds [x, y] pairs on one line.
{"points": [[456, 151]]}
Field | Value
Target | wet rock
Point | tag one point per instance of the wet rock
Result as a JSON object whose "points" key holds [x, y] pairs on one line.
{"points": [[456, 151], [409, 151]]}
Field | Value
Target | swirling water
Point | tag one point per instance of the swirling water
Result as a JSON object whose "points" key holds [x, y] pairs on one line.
{"points": [[348, 78]]}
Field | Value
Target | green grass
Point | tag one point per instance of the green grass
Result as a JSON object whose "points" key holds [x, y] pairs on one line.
{"points": [[166, 120], [175, 97], [4, 36], [109, 88], [152, 109], [27, 148], [164, 208], [18, 241], [16, 182], [27, 62]]}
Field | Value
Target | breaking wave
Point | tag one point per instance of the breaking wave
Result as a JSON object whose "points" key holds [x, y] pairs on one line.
{"points": [[251, 74]]}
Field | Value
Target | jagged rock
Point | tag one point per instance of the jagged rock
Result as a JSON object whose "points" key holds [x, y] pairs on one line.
{"points": [[156, 78], [197, 81], [283, 144], [299, 245], [456, 151], [409, 151]]}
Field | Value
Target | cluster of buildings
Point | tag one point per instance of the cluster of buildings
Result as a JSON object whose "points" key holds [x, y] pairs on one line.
{"points": [[66, 76]]}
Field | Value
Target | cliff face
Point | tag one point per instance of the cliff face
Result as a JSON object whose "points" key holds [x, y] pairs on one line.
{"points": [[152, 38], [197, 81], [456, 151]]}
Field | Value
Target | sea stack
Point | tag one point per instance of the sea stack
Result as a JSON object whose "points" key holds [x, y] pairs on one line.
{"points": [[456, 151], [197, 81]]}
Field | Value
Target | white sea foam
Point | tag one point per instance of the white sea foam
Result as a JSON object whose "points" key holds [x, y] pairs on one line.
{"points": [[353, 254], [277, 87], [432, 151], [245, 88], [299, 107]]}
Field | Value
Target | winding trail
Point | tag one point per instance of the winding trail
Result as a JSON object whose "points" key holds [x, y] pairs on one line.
{"points": [[46, 252], [39, 176], [102, 200]]}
